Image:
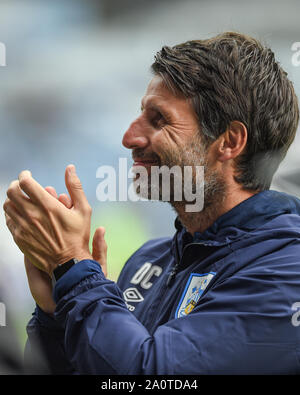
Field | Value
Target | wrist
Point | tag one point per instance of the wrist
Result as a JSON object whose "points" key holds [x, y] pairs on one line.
{"points": [[79, 256], [63, 268]]}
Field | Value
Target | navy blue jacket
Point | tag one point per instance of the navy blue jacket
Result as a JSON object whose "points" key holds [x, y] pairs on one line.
{"points": [[221, 302]]}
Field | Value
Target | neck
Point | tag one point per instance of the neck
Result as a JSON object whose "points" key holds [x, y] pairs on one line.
{"points": [[200, 221]]}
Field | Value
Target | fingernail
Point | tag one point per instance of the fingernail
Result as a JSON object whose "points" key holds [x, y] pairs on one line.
{"points": [[72, 169], [25, 174]]}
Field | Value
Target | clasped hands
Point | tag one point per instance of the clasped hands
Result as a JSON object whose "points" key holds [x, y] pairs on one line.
{"points": [[51, 230]]}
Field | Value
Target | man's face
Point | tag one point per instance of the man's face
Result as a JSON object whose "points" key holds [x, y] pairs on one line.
{"points": [[166, 124], [167, 133]]}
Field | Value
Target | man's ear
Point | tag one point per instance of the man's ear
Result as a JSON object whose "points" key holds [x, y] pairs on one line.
{"points": [[232, 142]]}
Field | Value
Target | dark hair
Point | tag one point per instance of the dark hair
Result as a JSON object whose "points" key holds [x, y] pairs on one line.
{"points": [[234, 77]]}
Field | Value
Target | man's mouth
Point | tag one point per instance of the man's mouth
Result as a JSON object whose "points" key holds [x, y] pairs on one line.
{"points": [[144, 159], [145, 162]]}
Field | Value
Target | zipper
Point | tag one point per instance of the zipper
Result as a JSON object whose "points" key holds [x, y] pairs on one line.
{"points": [[175, 268], [164, 287], [171, 278]]}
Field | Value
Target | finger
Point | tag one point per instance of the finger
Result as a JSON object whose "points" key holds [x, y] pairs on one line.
{"points": [[52, 191], [65, 200], [12, 212], [100, 249], [33, 189], [16, 195], [75, 189], [99, 244]]}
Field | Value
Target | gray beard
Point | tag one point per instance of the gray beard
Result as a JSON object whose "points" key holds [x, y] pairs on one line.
{"points": [[214, 195], [213, 188], [214, 198]]}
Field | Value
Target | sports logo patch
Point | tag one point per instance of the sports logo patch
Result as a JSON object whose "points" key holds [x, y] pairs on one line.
{"points": [[194, 288], [132, 295]]}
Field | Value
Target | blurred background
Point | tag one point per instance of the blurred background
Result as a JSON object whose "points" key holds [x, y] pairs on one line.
{"points": [[74, 77]]}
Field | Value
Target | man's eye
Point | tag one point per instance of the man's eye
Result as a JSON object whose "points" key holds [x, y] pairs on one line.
{"points": [[158, 120]]}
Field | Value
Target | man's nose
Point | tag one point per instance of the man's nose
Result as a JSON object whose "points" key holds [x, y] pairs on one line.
{"points": [[135, 136]]}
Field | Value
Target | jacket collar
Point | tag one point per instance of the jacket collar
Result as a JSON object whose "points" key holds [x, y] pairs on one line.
{"points": [[246, 216]]}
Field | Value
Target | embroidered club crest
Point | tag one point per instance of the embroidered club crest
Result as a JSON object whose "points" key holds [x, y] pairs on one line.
{"points": [[194, 288]]}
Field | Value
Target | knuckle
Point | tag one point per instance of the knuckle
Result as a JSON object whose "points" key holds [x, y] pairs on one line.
{"points": [[17, 234], [9, 192], [24, 182], [76, 185], [5, 205], [88, 209], [47, 206], [12, 187], [8, 222], [34, 218], [52, 208]]}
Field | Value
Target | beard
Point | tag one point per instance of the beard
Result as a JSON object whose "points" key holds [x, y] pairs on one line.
{"points": [[169, 180]]}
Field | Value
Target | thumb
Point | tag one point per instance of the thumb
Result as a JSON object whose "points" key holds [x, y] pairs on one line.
{"points": [[100, 249], [75, 189]]}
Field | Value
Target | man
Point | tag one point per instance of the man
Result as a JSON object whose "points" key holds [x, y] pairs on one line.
{"points": [[217, 297]]}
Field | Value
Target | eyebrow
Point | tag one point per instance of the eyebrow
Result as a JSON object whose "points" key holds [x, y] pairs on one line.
{"points": [[156, 107], [153, 108]]}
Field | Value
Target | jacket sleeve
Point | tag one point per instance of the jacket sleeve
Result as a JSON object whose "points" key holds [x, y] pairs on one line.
{"points": [[222, 335], [44, 350]]}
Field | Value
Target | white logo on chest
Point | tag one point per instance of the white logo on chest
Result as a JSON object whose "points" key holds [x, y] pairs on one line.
{"points": [[144, 274], [142, 277]]}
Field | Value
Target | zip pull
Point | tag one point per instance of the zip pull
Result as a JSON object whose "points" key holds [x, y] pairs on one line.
{"points": [[172, 276], [171, 279]]}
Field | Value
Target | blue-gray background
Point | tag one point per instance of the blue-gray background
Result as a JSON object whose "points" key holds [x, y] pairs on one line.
{"points": [[75, 74]]}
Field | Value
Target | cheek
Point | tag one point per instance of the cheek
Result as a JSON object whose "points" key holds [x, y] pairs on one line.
{"points": [[175, 137], [168, 137], [163, 144], [168, 148]]}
